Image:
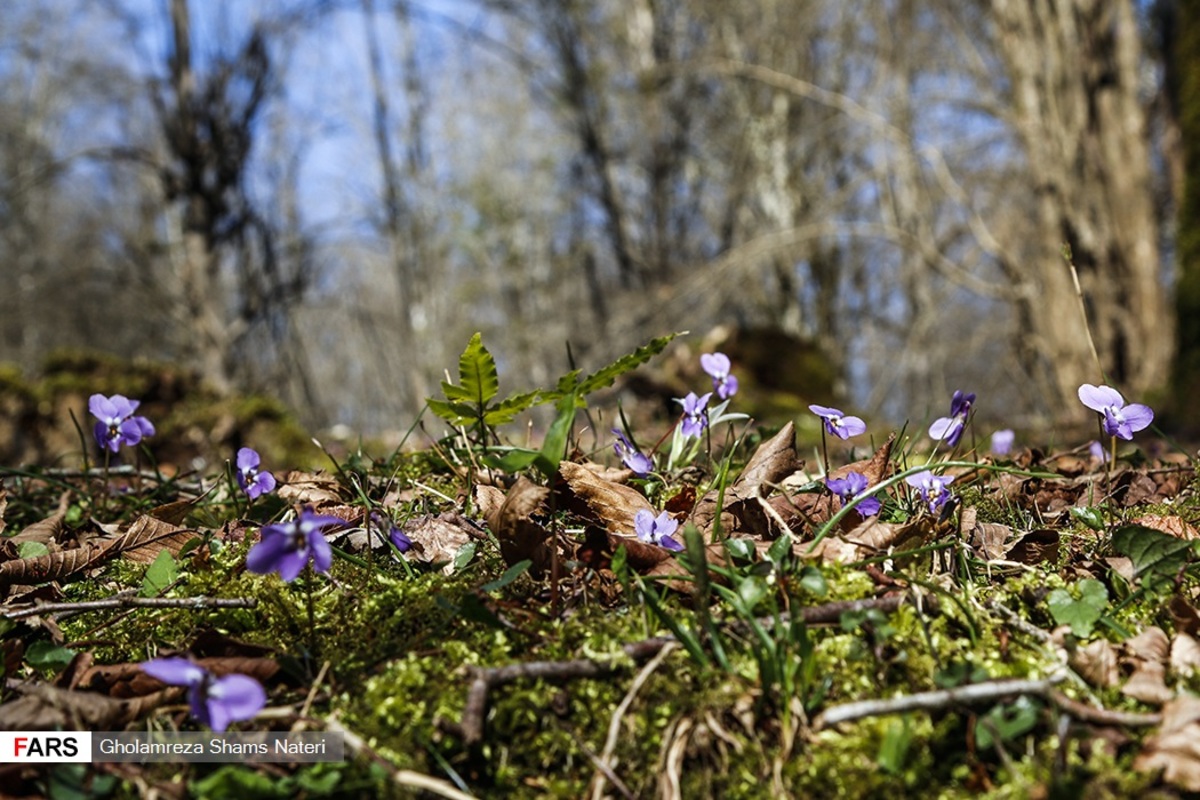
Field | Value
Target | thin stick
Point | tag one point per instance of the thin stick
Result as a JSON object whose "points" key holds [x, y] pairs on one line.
{"points": [[1083, 309], [134, 602], [401, 777]]}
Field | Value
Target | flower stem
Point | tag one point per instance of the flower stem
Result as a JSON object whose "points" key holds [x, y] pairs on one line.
{"points": [[824, 452]]}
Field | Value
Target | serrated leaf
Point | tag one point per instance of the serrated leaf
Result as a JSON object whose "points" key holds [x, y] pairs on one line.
{"points": [[1155, 555], [605, 376], [454, 413], [477, 372], [453, 392], [1082, 614], [567, 383], [504, 411]]}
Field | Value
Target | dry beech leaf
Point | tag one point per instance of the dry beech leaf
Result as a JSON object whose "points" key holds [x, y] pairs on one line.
{"points": [[488, 500], [439, 538], [1172, 525], [174, 513], [309, 488], [1175, 748], [54, 566], [1096, 663], [613, 505], [43, 707], [774, 460], [1185, 655], [46, 531], [1035, 547], [1147, 653], [146, 538], [520, 536], [987, 538], [870, 538], [1185, 617]]}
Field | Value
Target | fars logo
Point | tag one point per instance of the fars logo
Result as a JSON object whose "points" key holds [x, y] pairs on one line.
{"points": [[45, 747]]}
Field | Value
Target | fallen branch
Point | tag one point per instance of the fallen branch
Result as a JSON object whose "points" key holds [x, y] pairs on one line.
{"points": [[121, 601]]}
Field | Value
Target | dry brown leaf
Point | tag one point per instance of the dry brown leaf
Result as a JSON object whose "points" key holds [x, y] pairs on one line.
{"points": [[174, 513], [520, 536], [45, 708], [1185, 617], [3, 508], [54, 566], [1149, 645], [1175, 749], [774, 460], [439, 538], [987, 538], [310, 488], [1172, 525], [1147, 653], [146, 538], [1096, 663], [1185, 655], [870, 538], [613, 505], [488, 500], [1035, 547], [46, 531]]}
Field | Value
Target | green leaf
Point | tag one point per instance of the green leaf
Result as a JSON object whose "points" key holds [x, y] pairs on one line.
{"points": [[741, 549], [893, 750], [161, 574], [454, 413], [32, 550], [555, 445], [1082, 614], [477, 373], [605, 376], [504, 411], [514, 460], [780, 549], [511, 574], [812, 580], [1008, 721], [47, 655], [1155, 555], [1091, 517], [464, 555]]}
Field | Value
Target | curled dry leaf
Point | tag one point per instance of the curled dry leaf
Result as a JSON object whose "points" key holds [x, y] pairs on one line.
{"points": [[870, 538], [1185, 655], [145, 539], [520, 536], [439, 538], [612, 505], [774, 460], [1175, 748], [1173, 525], [46, 531], [1147, 653], [309, 488], [54, 566], [986, 538], [45, 708], [1096, 663]]}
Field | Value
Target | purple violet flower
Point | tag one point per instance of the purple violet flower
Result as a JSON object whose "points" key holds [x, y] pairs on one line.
{"points": [[950, 429], [395, 533], [656, 530], [695, 414], [932, 488], [1120, 420], [717, 365], [631, 457], [215, 702], [1002, 442], [1098, 452], [117, 424], [838, 425], [254, 482], [851, 486], [286, 547]]}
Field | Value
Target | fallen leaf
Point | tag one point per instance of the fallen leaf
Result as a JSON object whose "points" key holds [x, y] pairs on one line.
{"points": [[1036, 547], [1096, 663], [145, 539], [1173, 525], [46, 531], [42, 707], [612, 505], [1185, 655], [439, 538], [1175, 749], [309, 488], [741, 511]]}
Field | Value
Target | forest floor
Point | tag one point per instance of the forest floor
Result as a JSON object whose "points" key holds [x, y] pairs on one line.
{"points": [[492, 624]]}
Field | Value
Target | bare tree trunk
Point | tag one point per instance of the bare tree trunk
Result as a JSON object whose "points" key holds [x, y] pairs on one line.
{"points": [[1073, 69]]}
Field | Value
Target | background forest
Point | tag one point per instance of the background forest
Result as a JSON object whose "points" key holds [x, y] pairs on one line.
{"points": [[324, 200]]}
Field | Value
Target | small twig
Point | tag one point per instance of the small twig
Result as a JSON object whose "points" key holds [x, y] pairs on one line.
{"points": [[132, 602], [402, 777], [312, 693], [1101, 716], [929, 701]]}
